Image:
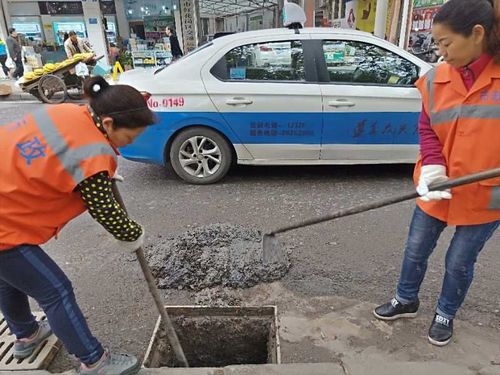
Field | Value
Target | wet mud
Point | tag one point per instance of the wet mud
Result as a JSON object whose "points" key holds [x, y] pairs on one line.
{"points": [[214, 255]]}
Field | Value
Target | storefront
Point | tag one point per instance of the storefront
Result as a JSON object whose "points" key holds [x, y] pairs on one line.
{"points": [[422, 18], [148, 44], [42, 25]]}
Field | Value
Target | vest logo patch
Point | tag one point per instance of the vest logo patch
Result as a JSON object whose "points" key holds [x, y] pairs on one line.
{"points": [[31, 150], [486, 96]]}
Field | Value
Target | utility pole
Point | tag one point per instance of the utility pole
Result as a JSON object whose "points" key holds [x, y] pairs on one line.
{"points": [[380, 18]]}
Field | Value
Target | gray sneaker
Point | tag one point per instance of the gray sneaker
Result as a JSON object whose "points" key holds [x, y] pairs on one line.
{"points": [[23, 349], [113, 364]]}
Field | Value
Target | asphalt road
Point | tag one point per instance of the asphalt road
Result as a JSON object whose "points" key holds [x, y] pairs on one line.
{"points": [[357, 257]]}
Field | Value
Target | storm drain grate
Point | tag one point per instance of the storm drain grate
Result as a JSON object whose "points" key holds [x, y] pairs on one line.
{"points": [[41, 357]]}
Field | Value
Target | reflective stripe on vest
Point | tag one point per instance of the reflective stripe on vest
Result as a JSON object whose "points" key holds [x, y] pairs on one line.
{"points": [[70, 158], [463, 111], [495, 198]]}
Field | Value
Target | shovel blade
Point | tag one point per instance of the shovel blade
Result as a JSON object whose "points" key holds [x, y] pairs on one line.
{"points": [[272, 251]]}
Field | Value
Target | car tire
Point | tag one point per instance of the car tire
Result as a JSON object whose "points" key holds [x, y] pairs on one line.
{"points": [[200, 156]]}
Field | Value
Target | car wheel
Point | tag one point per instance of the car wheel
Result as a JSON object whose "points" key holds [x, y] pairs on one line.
{"points": [[200, 156]]}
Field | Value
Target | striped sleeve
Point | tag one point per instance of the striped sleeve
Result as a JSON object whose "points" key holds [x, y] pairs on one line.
{"points": [[98, 197]]}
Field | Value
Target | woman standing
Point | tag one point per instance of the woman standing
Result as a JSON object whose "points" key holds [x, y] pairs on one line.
{"points": [[459, 134]]}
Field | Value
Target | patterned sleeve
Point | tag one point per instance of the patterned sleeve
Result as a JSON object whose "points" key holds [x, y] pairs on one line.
{"points": [[98, 197]]}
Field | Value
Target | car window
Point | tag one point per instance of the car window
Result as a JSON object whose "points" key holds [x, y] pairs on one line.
{"points": [[270, 61], [358, 62]]}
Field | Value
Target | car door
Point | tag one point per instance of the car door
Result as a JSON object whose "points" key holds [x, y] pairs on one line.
{"points": [[370, 103], [266, 90]]}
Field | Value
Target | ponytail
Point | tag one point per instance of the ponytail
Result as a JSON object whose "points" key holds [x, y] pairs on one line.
{"points": [[124, 104]]}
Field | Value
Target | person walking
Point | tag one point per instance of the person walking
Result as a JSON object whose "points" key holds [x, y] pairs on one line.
{"points": [[15, 53], [175, 47], [57, 163], [459, 135], [3, 58]]}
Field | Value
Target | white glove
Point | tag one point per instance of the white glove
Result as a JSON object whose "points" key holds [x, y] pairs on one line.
{"points": [[117, 177], [132, 246], [430, 174]]}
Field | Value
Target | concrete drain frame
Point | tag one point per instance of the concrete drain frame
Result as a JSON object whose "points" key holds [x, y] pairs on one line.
{"points": [[41, 357], [218, 336]]}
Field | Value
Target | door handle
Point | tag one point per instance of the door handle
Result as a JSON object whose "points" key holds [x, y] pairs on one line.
{"points": [[341, 103], [239, 101]]}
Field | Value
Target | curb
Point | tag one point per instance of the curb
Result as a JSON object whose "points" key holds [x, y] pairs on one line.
{"points": [[17, 96]]}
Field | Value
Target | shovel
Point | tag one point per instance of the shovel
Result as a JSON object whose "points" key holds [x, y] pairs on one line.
{"points": [[272, 252], [167, 323]]}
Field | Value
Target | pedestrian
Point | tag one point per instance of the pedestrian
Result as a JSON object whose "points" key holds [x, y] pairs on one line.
{"points": [[459, 135], [114, 53], [3, 58], [74, 45], [15, 53], [175, 48], [57, 163]]}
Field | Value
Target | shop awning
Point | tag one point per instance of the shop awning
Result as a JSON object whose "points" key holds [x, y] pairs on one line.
{"points": [[224, 8]]}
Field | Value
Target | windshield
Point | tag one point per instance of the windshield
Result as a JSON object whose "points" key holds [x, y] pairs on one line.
{"points": [[196, 50]]}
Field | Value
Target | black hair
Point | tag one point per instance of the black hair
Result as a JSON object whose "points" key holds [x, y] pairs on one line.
{"points": [[462, 15], [171, 28], [295, 26], [11, 30], [65, 37], [71, 33], [123, 103]]}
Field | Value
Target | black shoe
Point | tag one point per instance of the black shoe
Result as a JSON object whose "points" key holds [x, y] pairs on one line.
{"points": [[441, 330], [394, 310]]}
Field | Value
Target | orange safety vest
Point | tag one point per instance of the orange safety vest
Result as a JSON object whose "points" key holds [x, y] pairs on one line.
{"points": [[44, 157], [467, 124]]}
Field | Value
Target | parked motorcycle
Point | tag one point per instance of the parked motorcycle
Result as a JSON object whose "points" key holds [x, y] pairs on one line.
{"points": [[425, 48]]}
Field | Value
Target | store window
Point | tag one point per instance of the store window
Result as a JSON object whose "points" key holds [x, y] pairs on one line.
{"points": [[60, 7], [357, 62], [270, 61]]}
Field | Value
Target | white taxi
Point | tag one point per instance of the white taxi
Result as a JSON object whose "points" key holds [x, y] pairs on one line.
{"points": [[281, 97]]}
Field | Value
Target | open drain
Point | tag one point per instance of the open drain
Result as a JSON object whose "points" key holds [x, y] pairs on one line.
{"points": [[41, 357], [218, 337]]}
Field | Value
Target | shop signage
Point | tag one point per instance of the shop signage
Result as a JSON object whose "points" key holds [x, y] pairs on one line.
{"points": [[189, 24], [427, 3]]}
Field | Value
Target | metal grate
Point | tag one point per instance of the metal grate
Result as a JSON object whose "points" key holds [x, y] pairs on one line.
{"points": [[41, 357]]}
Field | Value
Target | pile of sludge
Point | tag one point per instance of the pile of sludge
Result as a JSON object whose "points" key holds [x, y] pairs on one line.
{"points": [[213, 255]]}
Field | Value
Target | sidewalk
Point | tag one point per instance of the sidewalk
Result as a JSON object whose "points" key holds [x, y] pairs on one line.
{"points": [[332, 335], [348, 368], [17, 93]]}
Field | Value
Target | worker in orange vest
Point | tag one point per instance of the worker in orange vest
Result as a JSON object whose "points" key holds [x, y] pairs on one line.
{"points": [[57, 163], [459, 134]]}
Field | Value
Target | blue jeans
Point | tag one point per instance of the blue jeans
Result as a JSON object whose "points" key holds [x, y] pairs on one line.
{"points": [[27, 270], [462, 254]]}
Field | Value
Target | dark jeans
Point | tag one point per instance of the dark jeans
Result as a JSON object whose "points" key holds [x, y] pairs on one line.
{"points": [[19, 67], [27, 270], [6, 70], [461, 256]]}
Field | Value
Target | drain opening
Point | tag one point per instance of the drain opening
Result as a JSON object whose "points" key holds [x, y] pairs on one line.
{"points": [[37, 351], [217, 340], [5, 351]]}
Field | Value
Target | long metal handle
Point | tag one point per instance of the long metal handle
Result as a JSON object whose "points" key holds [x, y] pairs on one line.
{"points": [[169, 328], [485, 175]]}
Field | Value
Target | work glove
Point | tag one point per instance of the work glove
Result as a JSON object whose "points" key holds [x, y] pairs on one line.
{"points": [[118, 177], [132, 246], [430, 174]]}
